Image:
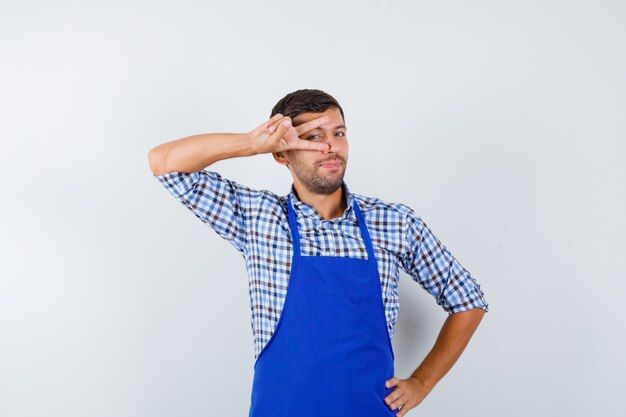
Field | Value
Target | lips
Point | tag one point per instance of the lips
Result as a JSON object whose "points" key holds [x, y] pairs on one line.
{"points": [[331, 164]]}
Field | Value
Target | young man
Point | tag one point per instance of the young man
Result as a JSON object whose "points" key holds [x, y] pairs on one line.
{"points": [[323, 266]]}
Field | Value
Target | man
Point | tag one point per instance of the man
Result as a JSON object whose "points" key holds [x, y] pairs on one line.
{"points": [[323, 266]]}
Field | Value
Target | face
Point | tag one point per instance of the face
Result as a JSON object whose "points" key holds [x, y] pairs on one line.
{"points": [[321, 172]]}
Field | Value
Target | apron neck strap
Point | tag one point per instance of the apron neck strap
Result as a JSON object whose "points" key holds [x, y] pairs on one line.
{"points": [[295, 235]]}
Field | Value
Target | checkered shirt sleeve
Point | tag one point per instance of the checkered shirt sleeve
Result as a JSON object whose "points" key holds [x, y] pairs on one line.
{"points": [[219, 202], [431, 264]]}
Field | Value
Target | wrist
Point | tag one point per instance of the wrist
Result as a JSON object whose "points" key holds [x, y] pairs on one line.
{"points": [[425, 385], [249, 143]]}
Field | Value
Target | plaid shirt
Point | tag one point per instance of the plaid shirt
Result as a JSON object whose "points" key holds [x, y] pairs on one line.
{"points": [[255, 222]]}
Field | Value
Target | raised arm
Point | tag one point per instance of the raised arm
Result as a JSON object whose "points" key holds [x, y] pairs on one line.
{"points": [[222, 203], [196, 152]]}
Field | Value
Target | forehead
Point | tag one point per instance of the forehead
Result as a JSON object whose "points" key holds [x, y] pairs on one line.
{"points": [[334, 117]]}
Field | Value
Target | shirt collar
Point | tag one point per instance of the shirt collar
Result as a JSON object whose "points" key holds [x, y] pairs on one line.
{"points": [[300, 207]]}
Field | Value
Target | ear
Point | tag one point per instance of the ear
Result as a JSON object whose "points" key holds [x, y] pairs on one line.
{"points": [[281, 158]]}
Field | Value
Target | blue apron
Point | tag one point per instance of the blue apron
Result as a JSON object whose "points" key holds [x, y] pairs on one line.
{"points": [[330, 354]]}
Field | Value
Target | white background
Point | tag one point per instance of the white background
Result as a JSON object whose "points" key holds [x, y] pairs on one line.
{"points": [[500, 122]]}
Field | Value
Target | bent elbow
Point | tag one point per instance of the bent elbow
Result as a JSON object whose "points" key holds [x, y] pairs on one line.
{"points": [[156, 160]]}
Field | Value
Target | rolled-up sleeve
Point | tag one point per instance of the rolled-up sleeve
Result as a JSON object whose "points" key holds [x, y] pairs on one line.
{"points": [[217, 201], [431, 264]]}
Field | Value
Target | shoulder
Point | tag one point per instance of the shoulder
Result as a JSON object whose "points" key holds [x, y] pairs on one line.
{"points": [[390, 216], [376, 205]]}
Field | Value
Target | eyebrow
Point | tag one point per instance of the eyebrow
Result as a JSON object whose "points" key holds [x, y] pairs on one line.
{"points": [[335, 128]]}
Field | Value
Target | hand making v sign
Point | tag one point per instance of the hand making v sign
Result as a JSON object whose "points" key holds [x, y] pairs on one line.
{"points": [[278, 134]]}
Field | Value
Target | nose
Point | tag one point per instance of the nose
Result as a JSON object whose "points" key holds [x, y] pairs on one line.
{"points": [[328, 138]]}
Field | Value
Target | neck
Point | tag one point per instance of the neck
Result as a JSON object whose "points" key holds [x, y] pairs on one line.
{"points": [[329, 206]]}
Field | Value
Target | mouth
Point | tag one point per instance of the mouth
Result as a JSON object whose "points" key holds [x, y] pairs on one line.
{"points": [[331, 165]]}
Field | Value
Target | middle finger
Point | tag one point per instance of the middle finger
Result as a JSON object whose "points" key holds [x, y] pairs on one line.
{"points": [[305, 127]]}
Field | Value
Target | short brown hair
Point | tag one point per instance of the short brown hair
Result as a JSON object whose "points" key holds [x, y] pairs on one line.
{"points": [[306, 101]]}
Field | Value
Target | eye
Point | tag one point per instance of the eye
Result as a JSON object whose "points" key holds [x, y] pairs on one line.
{"points": [[342, 134], [312, 136]]}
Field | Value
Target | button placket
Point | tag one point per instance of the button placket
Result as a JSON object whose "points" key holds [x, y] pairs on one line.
{"points": [[331, 245], [322, 226]]}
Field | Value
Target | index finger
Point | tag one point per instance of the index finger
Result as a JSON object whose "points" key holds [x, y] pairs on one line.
{"points": [[273, 119], [305, 127]]}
